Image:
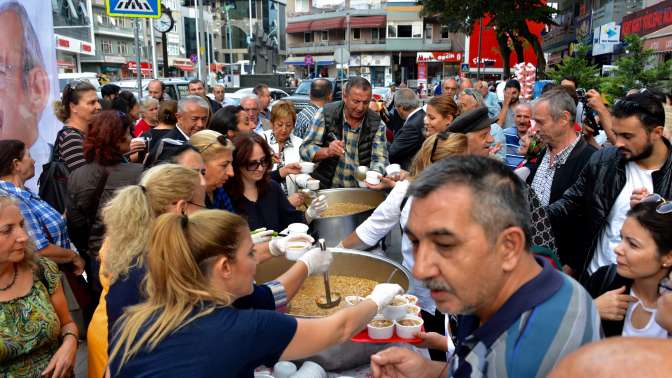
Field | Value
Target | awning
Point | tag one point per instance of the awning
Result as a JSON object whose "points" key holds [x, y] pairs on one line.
{"points": [[323, 60], [298, 27], [184, 67], [328, 24], [368, 22]]}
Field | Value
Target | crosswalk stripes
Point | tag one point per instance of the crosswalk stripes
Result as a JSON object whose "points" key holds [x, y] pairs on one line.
{"points": [[133, 5]]}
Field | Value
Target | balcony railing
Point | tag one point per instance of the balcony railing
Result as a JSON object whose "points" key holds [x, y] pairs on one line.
{"points": [[337, 43], [314, 11]]}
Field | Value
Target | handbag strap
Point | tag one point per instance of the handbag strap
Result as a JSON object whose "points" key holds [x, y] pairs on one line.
{"points": [[93, 210], [54, 151]]}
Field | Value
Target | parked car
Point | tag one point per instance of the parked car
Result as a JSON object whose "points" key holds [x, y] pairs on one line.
{"points": [[276, 94], [89, 77], [176, 88], [301, 96]]}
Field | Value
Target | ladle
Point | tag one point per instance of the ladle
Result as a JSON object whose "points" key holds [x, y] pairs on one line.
{"points": [[330, 299], [360, 173]]}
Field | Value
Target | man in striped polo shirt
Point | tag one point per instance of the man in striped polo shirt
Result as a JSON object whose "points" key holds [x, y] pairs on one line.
{"points": [[517, 316]]}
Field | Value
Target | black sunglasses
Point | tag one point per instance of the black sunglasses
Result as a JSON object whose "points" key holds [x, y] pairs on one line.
{"points": [[253, 165], [222, 139], [664, 206]]}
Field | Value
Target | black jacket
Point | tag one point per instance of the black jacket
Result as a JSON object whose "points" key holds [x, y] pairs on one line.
{"points": [[607, 279], [591, 198], [408, 140], [564, 177]]}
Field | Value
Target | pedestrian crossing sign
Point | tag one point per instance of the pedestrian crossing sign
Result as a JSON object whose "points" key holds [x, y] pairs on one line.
{"points": [[134, 8]]}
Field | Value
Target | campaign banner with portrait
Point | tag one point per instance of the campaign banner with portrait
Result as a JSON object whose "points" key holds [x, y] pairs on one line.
{"points": [[29, 79]]}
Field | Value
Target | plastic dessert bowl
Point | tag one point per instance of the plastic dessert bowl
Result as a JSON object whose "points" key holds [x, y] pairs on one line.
{"points": [[412, 299], [396, 309], [412, 309], [380, 328], [408, 326]]}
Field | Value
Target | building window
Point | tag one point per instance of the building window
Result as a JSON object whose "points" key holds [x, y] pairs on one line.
{"points": [[325, 35], [356, 34], [106, 45], [123, 49], [404, 31], [445, 34], [381, 33], [307, 37], [391, 31], [301, 6], [374, 34]]}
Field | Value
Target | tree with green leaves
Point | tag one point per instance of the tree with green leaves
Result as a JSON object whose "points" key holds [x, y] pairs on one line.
{"points": [[577, 66], [636, 69], [507, 18]]}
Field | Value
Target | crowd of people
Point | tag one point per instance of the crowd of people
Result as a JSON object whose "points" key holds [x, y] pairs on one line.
{"points": [[529, 233]]}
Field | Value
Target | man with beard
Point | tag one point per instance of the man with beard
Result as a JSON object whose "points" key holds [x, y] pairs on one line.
{"points": [[614, 179], [469, 225], [344, 135]]}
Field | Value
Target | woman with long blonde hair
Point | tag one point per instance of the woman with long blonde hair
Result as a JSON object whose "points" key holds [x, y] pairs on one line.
{"points": [[198, 265]]}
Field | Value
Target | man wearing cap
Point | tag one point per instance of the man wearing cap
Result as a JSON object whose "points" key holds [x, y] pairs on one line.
{"points": [[475, 124], [471, 99]]}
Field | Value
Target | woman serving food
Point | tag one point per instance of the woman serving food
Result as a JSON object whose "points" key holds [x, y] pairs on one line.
{"points": [[187, 326]]}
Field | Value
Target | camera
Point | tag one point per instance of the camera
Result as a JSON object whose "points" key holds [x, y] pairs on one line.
{"points": [[588, 112]]}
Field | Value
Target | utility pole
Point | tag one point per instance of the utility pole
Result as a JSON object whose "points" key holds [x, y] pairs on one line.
{"points": [[480, 37], [136, 34], [198, 39], [155, 68]]}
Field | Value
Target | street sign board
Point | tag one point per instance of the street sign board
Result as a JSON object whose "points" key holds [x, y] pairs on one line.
{"points": [[308, 60], [341, 55], [134, 8]]}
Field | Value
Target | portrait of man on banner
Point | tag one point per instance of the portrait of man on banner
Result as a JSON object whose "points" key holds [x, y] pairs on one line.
{"points": [[27, 77]]}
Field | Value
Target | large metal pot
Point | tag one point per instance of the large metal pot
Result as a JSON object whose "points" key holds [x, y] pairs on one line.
{"points": [[335, 229], [353, 263]]}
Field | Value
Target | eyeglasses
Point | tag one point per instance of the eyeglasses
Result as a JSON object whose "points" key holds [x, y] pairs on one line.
{"points": [[286, 126], [253, 165], [222, 139], [665, 286], [197, 205], [664, 207]]}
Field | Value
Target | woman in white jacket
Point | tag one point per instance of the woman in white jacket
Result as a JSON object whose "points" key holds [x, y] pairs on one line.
{"points": [[394, 212]]}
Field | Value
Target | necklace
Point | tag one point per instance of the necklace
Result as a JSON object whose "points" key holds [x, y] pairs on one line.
{"points": [[13, 280]]}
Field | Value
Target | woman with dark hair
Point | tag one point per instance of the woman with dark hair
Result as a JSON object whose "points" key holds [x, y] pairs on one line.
{"points": [[75, 109], [257, 197], [227, 120], [90, 187], [626, 293], [126, 102], [44, 224]]}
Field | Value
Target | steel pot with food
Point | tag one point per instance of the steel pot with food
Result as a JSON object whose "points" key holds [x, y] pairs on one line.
{"points": [[347, 209], [352, 273]]}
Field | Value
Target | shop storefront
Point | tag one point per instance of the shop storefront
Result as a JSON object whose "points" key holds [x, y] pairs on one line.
{"points": [[309, 66], [375, 68], [68, 52], [660, 42], [180, 66], [433, 66]]}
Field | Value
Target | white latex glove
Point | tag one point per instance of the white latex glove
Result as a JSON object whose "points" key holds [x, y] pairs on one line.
{"points": [[278, 246], [383, 294], [317, 207], [316, 260], [261, 235]]}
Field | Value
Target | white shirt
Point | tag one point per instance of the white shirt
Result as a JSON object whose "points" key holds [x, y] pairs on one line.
{"points": [[651, 329], [182, 132], [290, 154], [635, 178], [387, 216]]}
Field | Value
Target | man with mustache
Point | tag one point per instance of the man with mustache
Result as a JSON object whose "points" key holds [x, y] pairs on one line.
{"points": [[614, 179], [469, 225], [344, 135]]}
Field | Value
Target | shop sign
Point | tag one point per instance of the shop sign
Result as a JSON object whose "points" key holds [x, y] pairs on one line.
{"points": [[610, 33], [114, 59], [439, 57], [648, 19], [661, 44], [73, 45], [143, 65]]}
